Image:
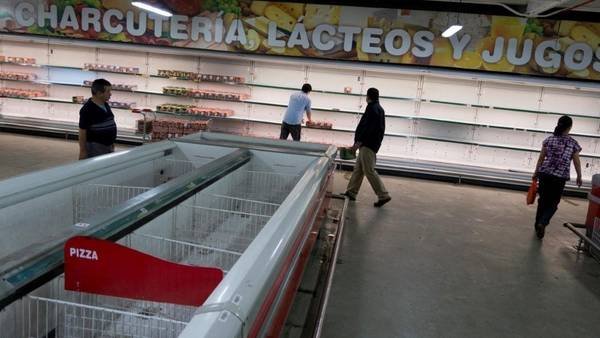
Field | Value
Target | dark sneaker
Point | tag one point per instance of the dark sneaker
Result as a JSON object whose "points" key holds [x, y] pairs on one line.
{"points": [[540, 231], [350, 197], [381, 202]]}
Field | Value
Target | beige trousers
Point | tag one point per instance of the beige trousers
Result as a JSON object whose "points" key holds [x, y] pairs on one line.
{"points": [[365, 166]]}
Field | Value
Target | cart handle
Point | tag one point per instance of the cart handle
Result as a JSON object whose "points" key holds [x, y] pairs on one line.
{"points": [[582, 236]]}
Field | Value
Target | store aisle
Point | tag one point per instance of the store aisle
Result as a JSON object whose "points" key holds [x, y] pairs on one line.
{"points": [[21, 154], [442, 260]]}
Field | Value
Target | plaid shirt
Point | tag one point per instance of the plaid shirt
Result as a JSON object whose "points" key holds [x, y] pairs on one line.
{"points": [[559, 153]]}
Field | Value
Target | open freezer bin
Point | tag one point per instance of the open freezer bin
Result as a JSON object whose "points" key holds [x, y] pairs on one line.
{"points": [[249, 207]]}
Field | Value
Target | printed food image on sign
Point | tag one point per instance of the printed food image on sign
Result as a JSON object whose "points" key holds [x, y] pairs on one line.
{"points": [[534, 46]]}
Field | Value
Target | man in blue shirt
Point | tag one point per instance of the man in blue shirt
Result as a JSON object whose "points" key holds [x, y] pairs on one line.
{"points": [[292, 120]]}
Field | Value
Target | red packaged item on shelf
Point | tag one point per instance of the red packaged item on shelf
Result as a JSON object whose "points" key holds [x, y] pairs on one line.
{"points": [[17, 76], [319, 124], [21, 93], [163, 129], [17, 59]]}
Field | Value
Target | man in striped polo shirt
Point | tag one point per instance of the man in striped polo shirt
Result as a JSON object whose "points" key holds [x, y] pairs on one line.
{"points": [[97, 127]]}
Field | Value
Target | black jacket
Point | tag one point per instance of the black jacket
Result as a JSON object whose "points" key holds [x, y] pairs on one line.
{"points": [[371, 128]]}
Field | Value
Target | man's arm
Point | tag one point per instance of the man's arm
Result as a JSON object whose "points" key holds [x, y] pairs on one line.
{"points": [[82, 141], [308, 111], [362, 130]]}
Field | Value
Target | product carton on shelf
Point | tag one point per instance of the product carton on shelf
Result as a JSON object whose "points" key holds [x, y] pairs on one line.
{"points": [[17, 60], [191, 76], [21, 93], [173, 128], [206, 94], [179, 91], [177, 74], [114, 86], [111, 68], [172, 108], [17, 76], [193, 110], [210, 112], [121, 105], [319, 124], [221, 78]]}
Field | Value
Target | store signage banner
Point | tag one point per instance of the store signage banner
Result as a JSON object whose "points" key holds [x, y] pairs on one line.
{"points": [[567, 49], [102, 267]]}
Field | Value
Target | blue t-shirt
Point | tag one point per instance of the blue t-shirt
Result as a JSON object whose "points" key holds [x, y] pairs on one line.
{"points": [[299, 103]]}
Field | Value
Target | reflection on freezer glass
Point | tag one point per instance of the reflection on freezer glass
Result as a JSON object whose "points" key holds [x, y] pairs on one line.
{"points": [[82, 201], [213, 227]]}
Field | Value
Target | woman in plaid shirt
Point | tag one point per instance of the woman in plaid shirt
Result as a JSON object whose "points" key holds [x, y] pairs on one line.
{"points": [[553, 171]]}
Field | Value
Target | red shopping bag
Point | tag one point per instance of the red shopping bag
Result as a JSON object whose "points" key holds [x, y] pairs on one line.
{"points": [[532, 192]]}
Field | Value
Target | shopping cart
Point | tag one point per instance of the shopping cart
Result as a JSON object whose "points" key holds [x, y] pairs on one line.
{"points": [[589, 241]]}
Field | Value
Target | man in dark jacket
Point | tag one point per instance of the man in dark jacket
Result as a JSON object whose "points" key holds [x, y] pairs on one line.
{"points": [[97, 128], [367, 139]]}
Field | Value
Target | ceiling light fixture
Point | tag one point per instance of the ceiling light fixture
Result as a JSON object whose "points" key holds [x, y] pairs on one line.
{"points": [[451, 30], [152, 9]]}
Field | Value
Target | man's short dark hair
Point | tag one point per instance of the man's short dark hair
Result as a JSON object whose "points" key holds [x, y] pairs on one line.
{"points": [[373, 94], [307, 88], [99, 86]]}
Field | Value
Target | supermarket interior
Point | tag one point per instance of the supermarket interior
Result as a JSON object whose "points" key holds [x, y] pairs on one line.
{"points": [[164, 203]]}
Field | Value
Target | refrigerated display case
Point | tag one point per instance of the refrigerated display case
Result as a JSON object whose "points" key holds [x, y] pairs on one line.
{"points": [[248, 207]]}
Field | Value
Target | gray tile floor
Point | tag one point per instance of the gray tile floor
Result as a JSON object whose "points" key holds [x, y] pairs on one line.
{"points": [[440, 260], [20, 154]]}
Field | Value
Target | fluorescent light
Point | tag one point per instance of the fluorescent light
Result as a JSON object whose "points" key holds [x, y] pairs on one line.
{"points": [[152, 9], [451, 30]]}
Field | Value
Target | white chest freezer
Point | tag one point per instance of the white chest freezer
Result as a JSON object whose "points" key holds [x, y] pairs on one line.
{"points": [[248, 207]]}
